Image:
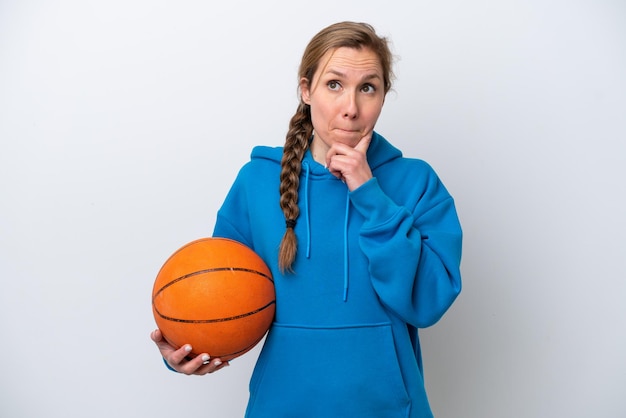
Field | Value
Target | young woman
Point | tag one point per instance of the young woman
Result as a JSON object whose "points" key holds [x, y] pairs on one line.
{"points": [[363, 243]]}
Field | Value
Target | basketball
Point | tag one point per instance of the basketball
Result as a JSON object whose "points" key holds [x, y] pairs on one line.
{"points": [[215, 294]]}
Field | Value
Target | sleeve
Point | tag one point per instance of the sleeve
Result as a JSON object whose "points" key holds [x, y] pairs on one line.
{"points": [[414, 254], [232, 217]]}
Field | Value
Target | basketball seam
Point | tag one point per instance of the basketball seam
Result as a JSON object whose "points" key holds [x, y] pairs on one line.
{"points": [[243, 350], [211, 270], [209, 321]]}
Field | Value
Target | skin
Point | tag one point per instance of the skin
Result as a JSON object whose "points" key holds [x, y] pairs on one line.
{"points": [[346, 96], [177, 358]]}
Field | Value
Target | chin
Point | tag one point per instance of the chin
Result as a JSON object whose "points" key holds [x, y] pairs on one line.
{"points": [[348, 138]]}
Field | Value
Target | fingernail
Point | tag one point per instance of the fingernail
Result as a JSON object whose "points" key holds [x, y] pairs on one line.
{"points": [[205, 358], [188, 348], [218, 363]]}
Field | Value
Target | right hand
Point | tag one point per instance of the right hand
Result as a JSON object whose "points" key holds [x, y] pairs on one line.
{"points": [[178, 358]]}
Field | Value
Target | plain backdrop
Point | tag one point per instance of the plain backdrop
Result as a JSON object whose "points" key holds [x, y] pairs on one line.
{"points": [[124, 123]]}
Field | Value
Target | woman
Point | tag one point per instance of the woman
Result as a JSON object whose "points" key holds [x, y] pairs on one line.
{"points": [[364, 246]]}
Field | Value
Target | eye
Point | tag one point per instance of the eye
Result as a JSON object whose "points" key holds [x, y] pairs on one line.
{"points": [[333, 85], [368, 88]]}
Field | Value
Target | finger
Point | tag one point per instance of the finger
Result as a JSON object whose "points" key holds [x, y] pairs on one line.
{"points": [[341, 157], [364, 144], [202, 365], [339, 149], [178, 358], [196, 365], [336, 150], [329, 163], [332, 170], [164, 347], [219, 366], [215, 365]]}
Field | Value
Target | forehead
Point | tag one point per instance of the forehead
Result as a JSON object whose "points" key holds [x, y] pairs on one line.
{"points": [[346, 60]]}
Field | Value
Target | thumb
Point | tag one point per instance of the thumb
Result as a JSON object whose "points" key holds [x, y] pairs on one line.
{"points": [[156, 335]]}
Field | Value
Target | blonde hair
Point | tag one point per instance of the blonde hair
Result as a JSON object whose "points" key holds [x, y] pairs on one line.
{"points": [[343, 34]]}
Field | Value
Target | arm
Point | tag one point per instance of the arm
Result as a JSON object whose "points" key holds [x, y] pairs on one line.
{"points": [[414, 255]]}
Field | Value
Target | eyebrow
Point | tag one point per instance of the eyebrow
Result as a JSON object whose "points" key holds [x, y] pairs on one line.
{"points": [[366, 78]]}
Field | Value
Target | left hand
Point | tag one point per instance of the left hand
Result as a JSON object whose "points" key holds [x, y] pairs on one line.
{"points": [[350, 164]]}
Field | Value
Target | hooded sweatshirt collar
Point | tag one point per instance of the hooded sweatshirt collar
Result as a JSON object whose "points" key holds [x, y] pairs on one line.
{"points": [[379, 152]]}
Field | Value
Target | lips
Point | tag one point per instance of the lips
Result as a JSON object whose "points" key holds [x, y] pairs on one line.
{"points": [[347, 131]]}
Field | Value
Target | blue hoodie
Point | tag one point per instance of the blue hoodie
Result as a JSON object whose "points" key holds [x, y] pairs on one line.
{"points": [[373, 265]]}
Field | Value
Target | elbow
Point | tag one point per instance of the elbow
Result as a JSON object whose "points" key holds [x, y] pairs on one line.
{"points": [[434, 309]]}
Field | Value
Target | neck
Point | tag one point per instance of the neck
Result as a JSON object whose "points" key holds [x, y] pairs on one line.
{"points": [[319, 150]]}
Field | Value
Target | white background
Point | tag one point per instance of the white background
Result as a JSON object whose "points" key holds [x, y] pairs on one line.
{"points": [[123, 124]]}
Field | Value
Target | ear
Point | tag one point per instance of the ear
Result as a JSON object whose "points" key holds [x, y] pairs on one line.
{"points": [[305, 90]]}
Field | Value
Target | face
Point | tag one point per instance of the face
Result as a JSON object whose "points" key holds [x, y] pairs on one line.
{"points": [[346, 97]]}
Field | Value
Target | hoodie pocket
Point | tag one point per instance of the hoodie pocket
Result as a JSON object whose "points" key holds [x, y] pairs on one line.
{"points": [[328, 372]]}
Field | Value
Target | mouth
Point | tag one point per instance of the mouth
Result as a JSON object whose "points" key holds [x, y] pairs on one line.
{"points": [[348, 131]]}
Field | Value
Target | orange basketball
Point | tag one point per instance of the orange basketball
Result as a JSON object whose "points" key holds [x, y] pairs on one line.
{"points": [[215, 294]]}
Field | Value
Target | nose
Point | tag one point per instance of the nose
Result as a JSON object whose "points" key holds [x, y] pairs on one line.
{"points": [[351, 108]]}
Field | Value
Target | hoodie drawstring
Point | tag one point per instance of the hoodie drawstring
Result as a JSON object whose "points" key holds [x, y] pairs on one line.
{"points": [[345, 249], [307, 171]]}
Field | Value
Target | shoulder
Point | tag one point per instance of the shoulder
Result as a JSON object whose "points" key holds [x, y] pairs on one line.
{"points": [[266, 153], [263, 157], [406, 167], [385, 156]]}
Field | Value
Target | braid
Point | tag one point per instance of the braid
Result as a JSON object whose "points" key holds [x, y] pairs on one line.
{"points": [[296, 144]]}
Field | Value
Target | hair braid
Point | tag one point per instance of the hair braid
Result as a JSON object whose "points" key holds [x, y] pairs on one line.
{"points": [[296, 144]]}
